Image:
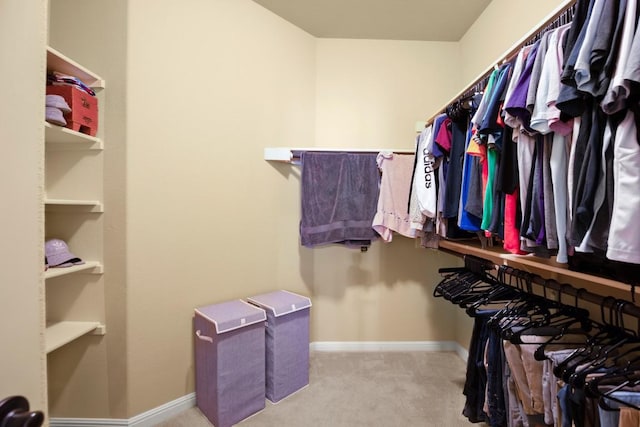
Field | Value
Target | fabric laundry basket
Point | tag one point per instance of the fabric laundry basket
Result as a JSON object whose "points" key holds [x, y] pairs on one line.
{"points": [[287, 342], [230, 361]]}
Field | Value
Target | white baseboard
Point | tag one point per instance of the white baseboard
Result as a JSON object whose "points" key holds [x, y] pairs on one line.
{"points": [[383, 346], [146, 419], [88, 422], [462, 352]]}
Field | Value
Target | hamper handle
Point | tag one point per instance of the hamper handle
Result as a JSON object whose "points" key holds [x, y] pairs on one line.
{"points": [[203, 337]]}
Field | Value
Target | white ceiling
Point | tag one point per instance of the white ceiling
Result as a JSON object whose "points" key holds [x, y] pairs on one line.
{"points": [[434, 20]]}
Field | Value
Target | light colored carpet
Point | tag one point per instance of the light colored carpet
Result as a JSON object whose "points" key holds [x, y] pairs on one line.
{"points": [[394, 389]]}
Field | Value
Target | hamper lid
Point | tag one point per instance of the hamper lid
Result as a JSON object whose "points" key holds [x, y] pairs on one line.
{"points": [[231, 315], [281, 302]]}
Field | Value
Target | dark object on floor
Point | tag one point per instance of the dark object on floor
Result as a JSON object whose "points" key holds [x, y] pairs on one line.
{"points": [[14, 412]]}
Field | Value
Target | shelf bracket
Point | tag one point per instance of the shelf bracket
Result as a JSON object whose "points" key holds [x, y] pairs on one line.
{"points": [[101, 329]]}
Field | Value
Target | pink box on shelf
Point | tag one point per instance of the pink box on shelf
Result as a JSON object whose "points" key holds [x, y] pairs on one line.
{"points": [[83, 117], [229, 361], [287, 342]]}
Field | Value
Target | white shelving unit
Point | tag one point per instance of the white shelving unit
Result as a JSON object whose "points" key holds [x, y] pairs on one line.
{"points": [[61, 333], [58, 137], [73, 171], [88, 267], [56, 61], [52, 205]]}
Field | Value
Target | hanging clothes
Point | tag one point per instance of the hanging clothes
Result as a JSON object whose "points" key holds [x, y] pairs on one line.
{"points": [[339, 195], [470, 208], [624, 234], [533, 217], [563, 103], [423, 209], [570, 100], [516, 105], [558, 165], [507, 183], [619, 88], [538, 361], [453, 172], [391, 212], [417, 216]]}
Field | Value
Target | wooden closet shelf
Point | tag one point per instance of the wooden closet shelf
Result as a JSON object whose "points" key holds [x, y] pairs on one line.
{"points": [[547, 268]]}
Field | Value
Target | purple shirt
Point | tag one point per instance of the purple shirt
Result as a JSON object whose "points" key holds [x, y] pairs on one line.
{"points": [[517, 104]]}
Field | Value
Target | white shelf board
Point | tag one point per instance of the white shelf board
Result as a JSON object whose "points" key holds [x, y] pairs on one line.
{"points": [[56, 136], [287, 154], [62, 271], [56, 61], [61, 333], [69, 204], [278, 154]]}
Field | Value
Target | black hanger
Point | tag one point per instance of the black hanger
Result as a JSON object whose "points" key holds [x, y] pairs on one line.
{"points": [[556, 323], [450, 282], [500, 294], [579, 318], [466, 286], [462, 284], [521, 310], [610, 357], [602, 333], [610, 337], [508, 312]]}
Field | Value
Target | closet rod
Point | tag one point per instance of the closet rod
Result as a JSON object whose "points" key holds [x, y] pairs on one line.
{"points": [[626, 307], [293, 155], [547, 23]]}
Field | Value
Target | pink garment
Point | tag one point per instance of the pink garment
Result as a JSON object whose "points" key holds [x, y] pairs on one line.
{"points": [[392, 214], [444, 136], [511, 242]]}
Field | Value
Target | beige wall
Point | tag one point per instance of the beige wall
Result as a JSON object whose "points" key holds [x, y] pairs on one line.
{"points": [[502, 25], [22, 370], [208, 219], [370, 93], [384, 294]]}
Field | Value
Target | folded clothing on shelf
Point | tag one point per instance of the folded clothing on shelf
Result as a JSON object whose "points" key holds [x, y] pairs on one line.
{"points": [[57, 101], [57, 254], [55, 109], [55, 116], [57, 78]]}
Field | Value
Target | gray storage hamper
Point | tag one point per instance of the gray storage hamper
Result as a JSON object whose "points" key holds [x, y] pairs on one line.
{"points": [[287, 342], [230, 361]]}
